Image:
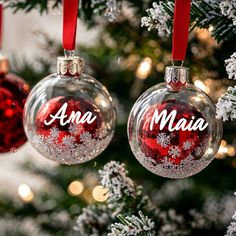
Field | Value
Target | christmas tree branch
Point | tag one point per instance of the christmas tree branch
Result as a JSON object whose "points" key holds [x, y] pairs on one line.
{"points": [[204, 14]]}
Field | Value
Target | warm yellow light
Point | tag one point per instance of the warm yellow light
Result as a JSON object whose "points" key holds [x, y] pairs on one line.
{"points": [[25, 193], [75, 188], [202, 86], [211, 28], [160, 67], [223, 150], [144, 68], [223, 143], [100, 194], [231, 151]]}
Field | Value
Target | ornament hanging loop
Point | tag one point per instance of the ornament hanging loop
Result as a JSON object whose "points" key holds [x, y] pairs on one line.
{"points": [[174, 63], [181, 29], [69, 53], [70, 14]]}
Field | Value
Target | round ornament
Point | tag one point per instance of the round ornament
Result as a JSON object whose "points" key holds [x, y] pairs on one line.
{"points": [[13, 93], [172, 127], [69, 117]]}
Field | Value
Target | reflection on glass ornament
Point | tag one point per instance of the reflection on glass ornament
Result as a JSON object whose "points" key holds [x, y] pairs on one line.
{"points": [[69, 117], [172, 127], [13, 93]]}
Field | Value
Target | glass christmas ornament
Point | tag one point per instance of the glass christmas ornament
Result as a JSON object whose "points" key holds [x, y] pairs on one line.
{"points": [[172, 127], [13, 93], [69, 117]]}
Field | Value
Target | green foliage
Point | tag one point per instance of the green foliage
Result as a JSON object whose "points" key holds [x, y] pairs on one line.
{"points": [[29, 5]]}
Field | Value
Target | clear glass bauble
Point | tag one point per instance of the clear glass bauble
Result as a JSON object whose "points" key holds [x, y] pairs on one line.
{"points": [[172, 128], [69, 119]]}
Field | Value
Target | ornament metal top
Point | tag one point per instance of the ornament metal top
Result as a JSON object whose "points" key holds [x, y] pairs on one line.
{"points": [[172, 127], [69, 117], [71, 65], [176, 76]]}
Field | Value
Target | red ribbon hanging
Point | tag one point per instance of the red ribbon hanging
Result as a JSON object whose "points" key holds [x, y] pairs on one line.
{"points": [[70, 13], [181, 29], [1, 24]]}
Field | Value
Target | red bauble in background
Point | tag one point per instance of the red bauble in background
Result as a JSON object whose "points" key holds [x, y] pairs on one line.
{"points": [[172, 128], [13, 93]]}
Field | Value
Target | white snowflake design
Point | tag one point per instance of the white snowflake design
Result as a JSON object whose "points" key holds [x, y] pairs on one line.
{"points": [[163, 139], [174, 151], [187, 145], [68, 150], [75, 129], [198, 151]]}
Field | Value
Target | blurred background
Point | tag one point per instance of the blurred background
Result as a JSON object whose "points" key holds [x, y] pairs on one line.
{"points": [[41, 197]]}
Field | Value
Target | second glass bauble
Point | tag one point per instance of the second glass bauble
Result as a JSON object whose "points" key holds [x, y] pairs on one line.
{"points": [[172, 127]]}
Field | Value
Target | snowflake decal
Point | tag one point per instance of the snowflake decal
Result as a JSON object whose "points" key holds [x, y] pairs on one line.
{"points": [[198, 151], [75, 129], [174, 151], [85, 137], [163, 139], [68, 140], [54, 132], [187, 145]]}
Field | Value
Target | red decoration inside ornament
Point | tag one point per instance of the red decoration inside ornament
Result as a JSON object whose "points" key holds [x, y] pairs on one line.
{"points": [[54, 109], [13, 93], [163, 145]]}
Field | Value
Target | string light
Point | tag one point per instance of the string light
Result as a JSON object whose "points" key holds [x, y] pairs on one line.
{"points": [[211, 28], [75, 188], [144, 68], [223, 150], [231, 151], [25, 193], [100, 194]]}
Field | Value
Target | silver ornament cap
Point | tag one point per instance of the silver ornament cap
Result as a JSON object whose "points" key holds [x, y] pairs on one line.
{"points": [[176, 75], [70, 65]]}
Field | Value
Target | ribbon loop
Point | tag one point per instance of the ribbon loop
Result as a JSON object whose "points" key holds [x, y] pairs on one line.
{"points": [[70, 13], [181, 29]]}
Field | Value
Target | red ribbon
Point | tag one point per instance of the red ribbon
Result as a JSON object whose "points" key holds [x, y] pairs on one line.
{"points": [[1, 24], [70, 13], [181, 29]]}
